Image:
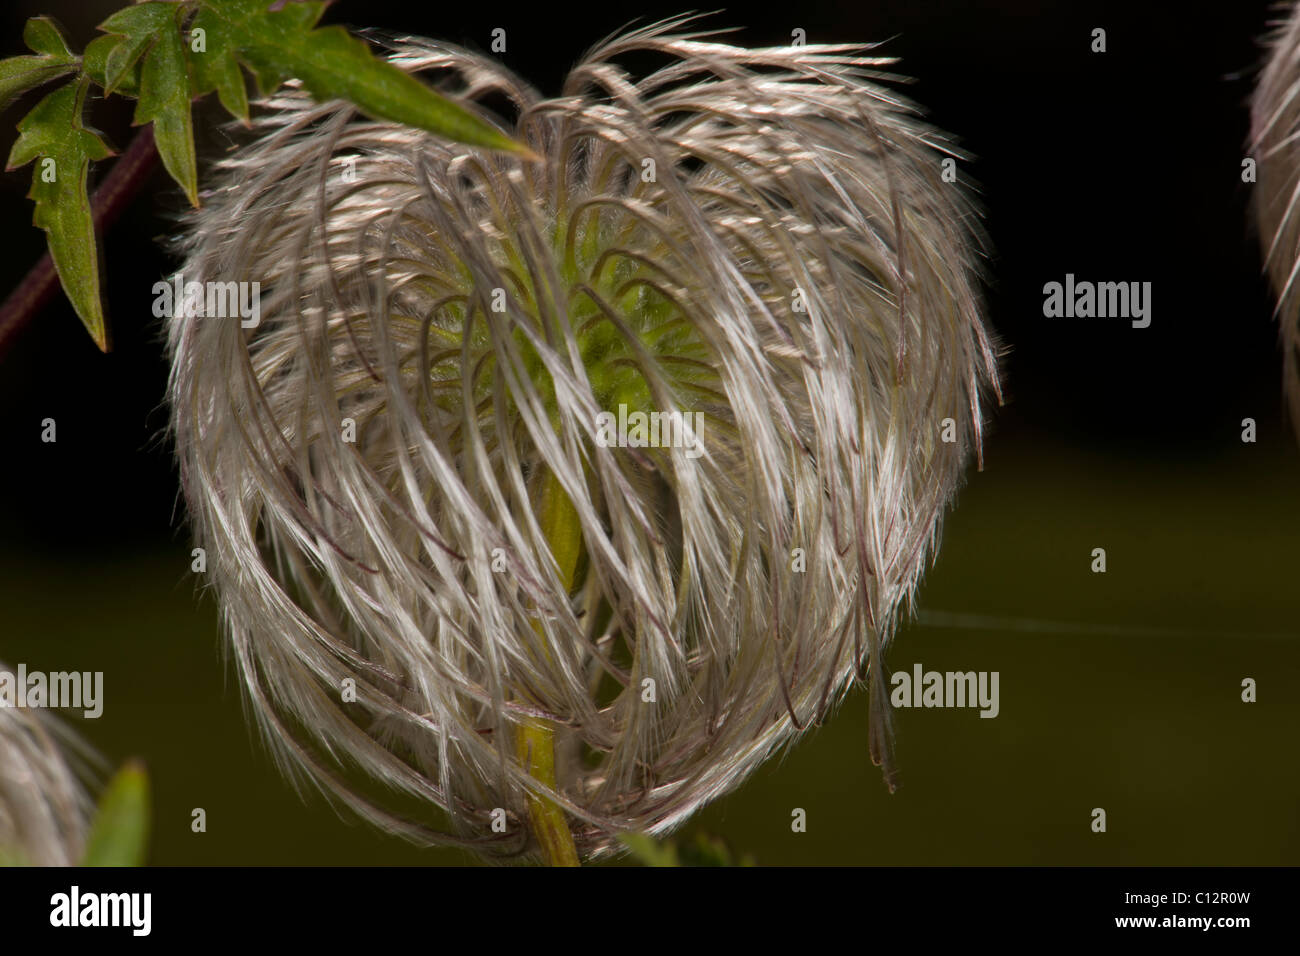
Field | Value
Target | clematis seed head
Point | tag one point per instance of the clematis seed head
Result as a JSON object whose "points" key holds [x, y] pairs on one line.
{"points": [[44, 806], [590, 481], [1275, 123]]}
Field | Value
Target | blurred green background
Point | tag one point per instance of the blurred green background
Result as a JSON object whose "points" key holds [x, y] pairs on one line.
{"points": [[1118, 690]]}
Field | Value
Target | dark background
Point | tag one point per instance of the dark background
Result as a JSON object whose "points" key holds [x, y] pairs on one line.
{"points": [[1118, 691]]}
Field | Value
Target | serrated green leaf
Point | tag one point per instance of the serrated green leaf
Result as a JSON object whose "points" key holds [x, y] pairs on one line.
{"points": [[138, 26], [54, 132], [22, 73], [219, 65], [219, 69], [152, 32], [94, 63], [277, 45], [119, 835]]}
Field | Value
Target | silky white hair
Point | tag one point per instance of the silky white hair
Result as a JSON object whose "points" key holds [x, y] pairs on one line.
{"points": [[44, 806], [1274, 130], [760, 236]]}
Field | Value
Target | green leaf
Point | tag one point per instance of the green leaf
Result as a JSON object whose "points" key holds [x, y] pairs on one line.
{"points": [[54, 132], [702, 851], [218, 65], [705, 850], [277, 45], [153, 31], [648, 851], [119, 835], [43, 36], [94, 63], [138, 26], [22, 73], [19, 74]]}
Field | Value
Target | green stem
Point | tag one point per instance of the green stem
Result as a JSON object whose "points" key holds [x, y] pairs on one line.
{"points": [[535, 741], [536, 749]]}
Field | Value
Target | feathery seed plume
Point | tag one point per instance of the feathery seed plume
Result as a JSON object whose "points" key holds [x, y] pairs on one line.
{"points": [[44, 807], [577, 486], [1274, 128]]}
